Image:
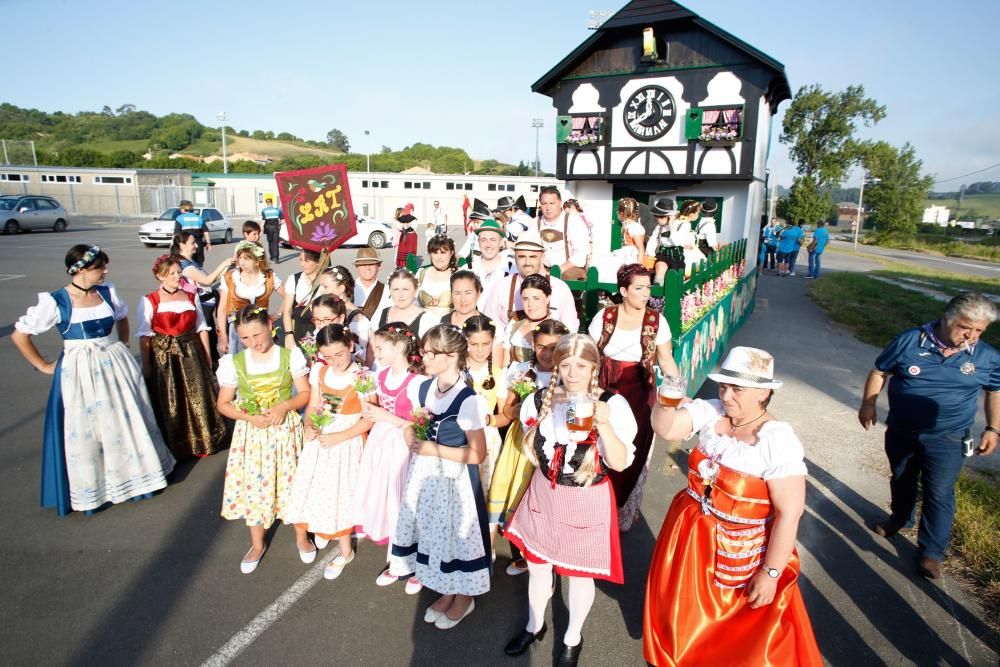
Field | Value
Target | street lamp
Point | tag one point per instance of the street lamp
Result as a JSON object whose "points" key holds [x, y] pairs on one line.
{"points": [[865, 177], [368, 160], [222, 117], [536, 123]]}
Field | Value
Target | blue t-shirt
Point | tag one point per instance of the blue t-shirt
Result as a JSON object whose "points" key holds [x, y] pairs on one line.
{"points": [[190, 222], [789, 239], [930, 393], [822, 236], [771, 234], [271, 213]]}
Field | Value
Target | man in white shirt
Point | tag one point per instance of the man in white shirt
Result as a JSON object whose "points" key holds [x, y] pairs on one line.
{"points": [[440, 221], [493, 263], [503, 299], [470, 249], [565, 236], [369, 291]]}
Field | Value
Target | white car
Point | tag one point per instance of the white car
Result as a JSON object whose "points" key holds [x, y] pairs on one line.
{"points": [[370, 232], [161, 230]]}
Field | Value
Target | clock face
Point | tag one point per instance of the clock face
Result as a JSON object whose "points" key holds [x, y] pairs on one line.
{"points": [[649, 113]]}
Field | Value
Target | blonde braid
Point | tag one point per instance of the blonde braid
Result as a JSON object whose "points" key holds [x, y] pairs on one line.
{"points": [[528, 443]]}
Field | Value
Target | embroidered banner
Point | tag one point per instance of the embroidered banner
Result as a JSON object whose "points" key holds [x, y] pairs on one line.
{"points": [[317, 203]]}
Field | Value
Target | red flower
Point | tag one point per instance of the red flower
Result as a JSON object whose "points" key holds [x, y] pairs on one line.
{"points": [[531, 423]]}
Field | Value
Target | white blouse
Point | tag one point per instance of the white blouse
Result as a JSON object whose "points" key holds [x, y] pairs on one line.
{"points": [[626, 344], [145, 314], [479, 376], [299, 289], [248, 292], [471, 414], [338, 381], [553, 429], [226, 373], [776, 454], [517, 368], [45, 315]]}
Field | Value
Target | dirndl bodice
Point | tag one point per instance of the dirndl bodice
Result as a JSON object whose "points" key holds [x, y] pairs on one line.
{"points": [[268, 388], [88, 329]]}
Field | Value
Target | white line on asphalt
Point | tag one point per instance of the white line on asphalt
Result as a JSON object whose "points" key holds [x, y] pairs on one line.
{"points": [[959, 628], [262, 621], [5, 276]]}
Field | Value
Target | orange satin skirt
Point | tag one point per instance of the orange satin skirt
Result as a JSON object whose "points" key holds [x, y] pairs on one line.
{"points": [[691, 620]]}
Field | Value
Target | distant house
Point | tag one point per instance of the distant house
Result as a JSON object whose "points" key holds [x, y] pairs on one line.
{"points": [[937, 215], [847, 213]]}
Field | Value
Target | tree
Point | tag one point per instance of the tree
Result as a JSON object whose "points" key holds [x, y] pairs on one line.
{"points": [[819, 128], [286, 136], [338, 140], [125, 109], [897, 192], [107, 111]]}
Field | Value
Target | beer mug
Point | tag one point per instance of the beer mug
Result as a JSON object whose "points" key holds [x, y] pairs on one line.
{"points": [[671, 391], [579, 413]]}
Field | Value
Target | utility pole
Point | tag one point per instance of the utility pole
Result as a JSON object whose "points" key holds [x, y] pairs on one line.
{"points": [[537, 123], [371, 191], [222, 117]]}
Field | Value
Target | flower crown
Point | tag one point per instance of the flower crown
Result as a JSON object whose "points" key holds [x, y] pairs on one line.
{"points": [[401, 330], [87, 259], [254, 249]]}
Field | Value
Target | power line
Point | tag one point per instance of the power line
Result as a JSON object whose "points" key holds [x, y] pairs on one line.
{"points": [[955, 178]]}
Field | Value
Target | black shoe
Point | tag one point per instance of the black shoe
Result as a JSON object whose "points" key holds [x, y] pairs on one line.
{"points": [[570, 654], [520, 643], [889, 528]]}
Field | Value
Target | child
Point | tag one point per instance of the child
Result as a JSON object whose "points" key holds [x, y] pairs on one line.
{"points": [[251, 231], [442, 531], [325, 311], [328, 465], [513, 471], [256, 390], [386, 458]]}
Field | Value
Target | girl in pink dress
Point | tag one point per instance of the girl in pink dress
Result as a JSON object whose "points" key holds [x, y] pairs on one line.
{"points": [[379, 488]]}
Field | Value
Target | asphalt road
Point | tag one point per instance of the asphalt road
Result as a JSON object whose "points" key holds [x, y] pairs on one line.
{"points": [[934, 262]]}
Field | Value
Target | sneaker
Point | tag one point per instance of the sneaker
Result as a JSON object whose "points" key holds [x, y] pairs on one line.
{"points": [[413, 586], [386, 578], [517, 567], [320, 542], [792, 274], [336, 567]]}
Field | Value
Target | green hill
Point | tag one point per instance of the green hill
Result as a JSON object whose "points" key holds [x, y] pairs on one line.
{"points": [[973, 206]]}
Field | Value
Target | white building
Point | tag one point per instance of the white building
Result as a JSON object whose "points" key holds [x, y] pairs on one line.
{"points": [[937, 215]]}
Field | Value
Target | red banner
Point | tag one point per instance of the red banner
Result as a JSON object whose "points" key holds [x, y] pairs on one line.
{"points": [[317, 205]]}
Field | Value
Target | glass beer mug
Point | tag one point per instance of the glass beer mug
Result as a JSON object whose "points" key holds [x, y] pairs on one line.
{"points": [[579, 413], [671, 391]]}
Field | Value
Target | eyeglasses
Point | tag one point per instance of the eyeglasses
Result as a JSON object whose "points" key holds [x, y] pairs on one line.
{"points": [[324, 320], [430, 354]]}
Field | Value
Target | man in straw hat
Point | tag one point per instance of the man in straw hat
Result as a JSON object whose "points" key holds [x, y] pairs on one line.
{"points": [[503, 299], [936, 372], [369, 291]]}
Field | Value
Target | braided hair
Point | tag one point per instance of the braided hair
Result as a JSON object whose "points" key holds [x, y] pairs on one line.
{"points": [[482, 324], [548, 327], [400, 332]]}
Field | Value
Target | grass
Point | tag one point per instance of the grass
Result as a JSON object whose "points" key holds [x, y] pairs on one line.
{"points": [[985, 205], [941, 245], [273, 148], [976, 535], [110, 146]]}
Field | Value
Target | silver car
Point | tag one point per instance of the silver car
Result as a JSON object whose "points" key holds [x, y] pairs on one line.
{"points": [[161, 230], [31, 212]]}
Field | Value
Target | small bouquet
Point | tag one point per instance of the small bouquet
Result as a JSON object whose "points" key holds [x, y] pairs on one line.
{"points": [[331, 404], [523, 386], [308, 346], [248, 406], [364, 384], [421, 422]]}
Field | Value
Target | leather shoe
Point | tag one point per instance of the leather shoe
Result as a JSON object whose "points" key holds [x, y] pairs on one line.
{"points": [[570, 654], [520, 643], [889, 528], [929, 568]]}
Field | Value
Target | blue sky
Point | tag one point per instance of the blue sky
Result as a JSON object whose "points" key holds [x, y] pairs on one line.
{"points": [[459, 73]]}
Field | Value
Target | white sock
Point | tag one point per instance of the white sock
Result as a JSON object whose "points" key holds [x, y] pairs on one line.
{"points": [[539, 592], [581, 599]]}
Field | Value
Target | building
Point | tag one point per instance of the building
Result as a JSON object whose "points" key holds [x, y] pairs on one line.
{"points": [[847, 213], [937, 215], [97, 191]]}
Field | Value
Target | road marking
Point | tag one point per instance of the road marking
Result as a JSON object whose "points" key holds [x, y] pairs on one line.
{"points": [[262, 621], [6, 276]]}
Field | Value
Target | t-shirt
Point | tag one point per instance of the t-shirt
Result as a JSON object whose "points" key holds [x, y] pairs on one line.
{"points": [[930, 393], [790, 238], [822, 236], [624, 345], [270, 213]]}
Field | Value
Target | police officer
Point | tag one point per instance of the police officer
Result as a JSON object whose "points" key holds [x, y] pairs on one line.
{"points": [[271, 215], [189, 221]]}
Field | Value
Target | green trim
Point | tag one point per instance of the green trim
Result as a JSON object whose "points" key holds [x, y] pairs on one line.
{"points": [[651, 69]]}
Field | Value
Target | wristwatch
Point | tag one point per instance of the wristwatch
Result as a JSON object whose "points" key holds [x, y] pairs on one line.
{"points": [[772, 572], [992, 429]]}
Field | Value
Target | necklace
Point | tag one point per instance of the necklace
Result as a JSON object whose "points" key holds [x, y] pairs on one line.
{"points": [[445, 391], [540, 319], [733, 427], [169, 291], [85, 290]]}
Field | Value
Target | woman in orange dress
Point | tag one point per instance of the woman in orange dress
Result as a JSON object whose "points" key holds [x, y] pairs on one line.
{"points": [[722, 587]]}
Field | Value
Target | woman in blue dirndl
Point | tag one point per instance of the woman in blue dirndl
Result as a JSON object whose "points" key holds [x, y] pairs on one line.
{"points": [[101, 444]]}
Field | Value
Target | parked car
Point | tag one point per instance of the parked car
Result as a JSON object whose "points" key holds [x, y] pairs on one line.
{"points": [[370, 232], [31, 212], [161, 230]]}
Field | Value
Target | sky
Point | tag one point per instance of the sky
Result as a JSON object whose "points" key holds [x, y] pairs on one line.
{"points": [[460, 73]]}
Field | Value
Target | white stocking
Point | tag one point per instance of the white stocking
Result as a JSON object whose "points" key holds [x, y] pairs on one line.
{"points": [[539, 592], [581, 599]]}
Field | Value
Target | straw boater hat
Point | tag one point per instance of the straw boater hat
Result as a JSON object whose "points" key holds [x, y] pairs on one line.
{"points": [[367, 256], [662, 206], [529, 240], [747, 367], [490, 225]]}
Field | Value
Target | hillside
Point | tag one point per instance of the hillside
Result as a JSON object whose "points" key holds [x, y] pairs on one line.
{"points": [[973, 206], [127, 137]]}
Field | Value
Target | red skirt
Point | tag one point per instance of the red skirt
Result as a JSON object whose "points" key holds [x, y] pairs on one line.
{"points": [[407, 246], [628, 379], [573, 528]]}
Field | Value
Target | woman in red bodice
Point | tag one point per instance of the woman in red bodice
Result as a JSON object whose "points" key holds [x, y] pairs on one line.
{"points": [[723, 582], [176, 363]]}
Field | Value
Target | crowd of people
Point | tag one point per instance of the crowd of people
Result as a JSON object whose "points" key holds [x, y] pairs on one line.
{"points": [[435, 414]]}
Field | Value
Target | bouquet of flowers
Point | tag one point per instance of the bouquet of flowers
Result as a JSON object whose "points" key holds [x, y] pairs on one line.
{"points": [[421, 422], [364, 384], [248, 406], [523, 386], [308, 346], [328, 410]]}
